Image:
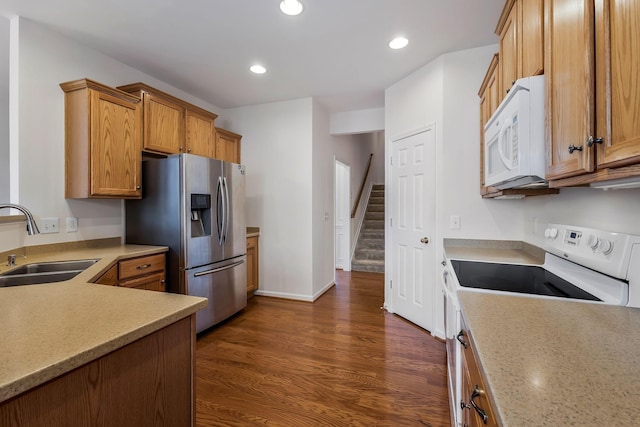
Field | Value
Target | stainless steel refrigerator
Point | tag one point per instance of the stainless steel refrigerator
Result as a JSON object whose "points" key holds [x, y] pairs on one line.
{"points": [[195, 206]]}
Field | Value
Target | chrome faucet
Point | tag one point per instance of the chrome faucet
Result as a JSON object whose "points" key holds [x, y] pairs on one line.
{"points": [[32, 227]]}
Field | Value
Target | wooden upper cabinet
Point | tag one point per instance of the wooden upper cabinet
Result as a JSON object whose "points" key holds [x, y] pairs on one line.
{"points": [[569, 85], [509, 51], [201, 133], [532, 37], [227, 145], [617, 45], [521, 38], [173, 126], [103, 131], [164, 127]]}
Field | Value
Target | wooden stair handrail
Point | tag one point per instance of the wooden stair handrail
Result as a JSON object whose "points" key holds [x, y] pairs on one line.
{"points": [[364, 181]]}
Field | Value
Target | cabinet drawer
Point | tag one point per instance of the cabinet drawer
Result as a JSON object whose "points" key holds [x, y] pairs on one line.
{"points": [[152, 282], [143, 265]]}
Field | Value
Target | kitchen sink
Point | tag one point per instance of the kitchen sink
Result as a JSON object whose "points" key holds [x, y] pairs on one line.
{"points": [[34, 279], [51, 267], [44, 272]]}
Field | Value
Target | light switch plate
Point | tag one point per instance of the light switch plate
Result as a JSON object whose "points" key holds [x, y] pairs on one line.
{"points": [[49, 225], [72, 224], [454, 222]]}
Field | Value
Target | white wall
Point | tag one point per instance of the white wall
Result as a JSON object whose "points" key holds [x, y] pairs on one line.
{"points": [[47, 59], [358, 121], [612, 210], [445, 93], [323, 202], [4, 112], [277, 152]]}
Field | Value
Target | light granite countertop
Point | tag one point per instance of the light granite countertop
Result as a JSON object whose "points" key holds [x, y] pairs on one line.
{"points": [[253, 231], [554, 362], [50, 329]]}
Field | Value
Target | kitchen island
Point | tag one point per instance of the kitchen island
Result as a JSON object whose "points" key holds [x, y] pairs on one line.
{"points": [[556, 362], [78, 353]]}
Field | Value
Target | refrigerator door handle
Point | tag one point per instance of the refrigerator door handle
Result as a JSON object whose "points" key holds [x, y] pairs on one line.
{"points": [[228, 208], [217, 270], [220, 214]]}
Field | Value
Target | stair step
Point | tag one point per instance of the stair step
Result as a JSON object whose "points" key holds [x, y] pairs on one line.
{"points": [[376, 201], [369, 254], [368, 265], [378, 187], [372, 234], [375, 208], [370, 244], [373, 225], [374, 216], [377, 193]]}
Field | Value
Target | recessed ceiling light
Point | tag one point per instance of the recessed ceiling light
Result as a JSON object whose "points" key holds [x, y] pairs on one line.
{"points": [[291, 7], [398, 43], [258, 69]]}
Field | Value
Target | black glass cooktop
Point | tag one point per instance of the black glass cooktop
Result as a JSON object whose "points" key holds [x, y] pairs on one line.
{"points": [[526, 279]]}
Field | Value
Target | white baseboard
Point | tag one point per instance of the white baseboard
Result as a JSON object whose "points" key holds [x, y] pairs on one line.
{"points": [[296, 297]]}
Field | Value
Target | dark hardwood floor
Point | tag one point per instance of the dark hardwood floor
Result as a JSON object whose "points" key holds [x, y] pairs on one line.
{"points": [[341, 361]]}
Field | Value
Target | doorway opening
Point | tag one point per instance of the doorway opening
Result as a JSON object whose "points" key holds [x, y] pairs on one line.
{"points": [[342, 215]]}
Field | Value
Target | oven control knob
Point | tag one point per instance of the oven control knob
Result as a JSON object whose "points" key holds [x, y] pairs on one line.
{"points": [[605, 246], [593, 241]]}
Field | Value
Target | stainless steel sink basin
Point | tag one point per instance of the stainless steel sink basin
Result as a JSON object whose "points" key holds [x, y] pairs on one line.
{"points": [[34, 279], [51, 267], [44, 272]]}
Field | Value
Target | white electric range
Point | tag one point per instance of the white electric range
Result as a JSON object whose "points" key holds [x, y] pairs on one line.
{"points": [[582, 264]]}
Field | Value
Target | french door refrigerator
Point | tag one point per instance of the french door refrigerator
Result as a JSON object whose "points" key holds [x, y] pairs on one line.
{"points": [[195, 206]]}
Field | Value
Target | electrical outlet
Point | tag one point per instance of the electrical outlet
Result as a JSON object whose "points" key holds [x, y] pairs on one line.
{"points": [[49, 225], [454, 222], [72, 224]]}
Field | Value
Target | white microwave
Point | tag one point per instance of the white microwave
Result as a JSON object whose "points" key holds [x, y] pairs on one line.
{"points": [[514, 148]]}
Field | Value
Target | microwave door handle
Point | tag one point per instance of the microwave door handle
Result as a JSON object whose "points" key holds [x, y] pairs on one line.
{"points": [[508, 163]]}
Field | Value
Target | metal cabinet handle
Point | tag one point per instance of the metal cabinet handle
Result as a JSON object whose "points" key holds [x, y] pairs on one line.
{"points": [[573, 148], [591, 141], [477, 392], [461, 341], [143, 266], [138, 187], [188, 150]]}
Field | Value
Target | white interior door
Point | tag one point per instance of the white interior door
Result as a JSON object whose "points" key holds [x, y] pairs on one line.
{"points": [[412, 226], [343, 216]]}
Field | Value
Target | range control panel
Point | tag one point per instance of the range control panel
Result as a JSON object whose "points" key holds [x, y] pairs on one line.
{"points": [[603, 251]]}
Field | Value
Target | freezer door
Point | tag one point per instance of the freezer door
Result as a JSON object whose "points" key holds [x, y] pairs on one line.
{"points": [[235, 237], [225, 286], [201, 178]]}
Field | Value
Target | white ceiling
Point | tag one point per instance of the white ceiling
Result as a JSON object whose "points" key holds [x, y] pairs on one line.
{"points": [[336, 50]]}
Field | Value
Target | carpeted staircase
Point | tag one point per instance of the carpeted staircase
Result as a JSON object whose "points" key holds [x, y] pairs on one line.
{"points": [[369, 254]]}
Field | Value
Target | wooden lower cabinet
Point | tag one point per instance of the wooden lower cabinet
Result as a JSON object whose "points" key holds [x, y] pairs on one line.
{"points": [[252, 265], [477, 410], [147, 272], [147, 382]]}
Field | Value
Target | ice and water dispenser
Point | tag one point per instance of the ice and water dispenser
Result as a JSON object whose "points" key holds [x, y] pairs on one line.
{"points": [[200, 215]]}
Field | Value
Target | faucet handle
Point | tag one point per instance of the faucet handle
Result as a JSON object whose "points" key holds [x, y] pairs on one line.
{"points": [[11, 260]]}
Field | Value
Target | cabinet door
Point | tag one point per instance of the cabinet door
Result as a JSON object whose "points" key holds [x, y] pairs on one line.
{"points": [[252, 264], [110, 277], [569, 81], [618, 82], [163, 125], [509, 52], [200, 134], [116, 157], [532, 37], [227, 147]]}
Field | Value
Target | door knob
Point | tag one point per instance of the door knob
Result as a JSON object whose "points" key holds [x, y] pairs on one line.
{"points": [[424, 240]]}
